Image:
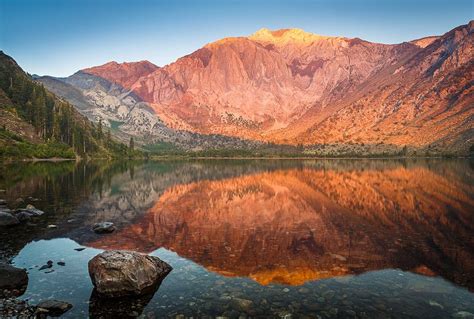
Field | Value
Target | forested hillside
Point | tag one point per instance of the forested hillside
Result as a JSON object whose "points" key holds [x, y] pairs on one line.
{"points": [[37, 124]]}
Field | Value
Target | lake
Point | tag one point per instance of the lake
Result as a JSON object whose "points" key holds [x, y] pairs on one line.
{"points": [[254, 238]]}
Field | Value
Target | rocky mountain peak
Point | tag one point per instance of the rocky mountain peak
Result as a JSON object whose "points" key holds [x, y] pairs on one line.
{"points": [[290, 86], [125, 73], [284, 36], [424, 42]]}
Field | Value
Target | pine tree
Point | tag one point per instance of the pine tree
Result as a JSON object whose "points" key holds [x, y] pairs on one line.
{"points": [[99, 130], [131, 145], [109, 137], [52, 118]]}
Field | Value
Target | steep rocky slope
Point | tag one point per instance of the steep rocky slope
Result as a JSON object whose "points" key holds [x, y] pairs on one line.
{"points": [[125, 113], [426, 101]]}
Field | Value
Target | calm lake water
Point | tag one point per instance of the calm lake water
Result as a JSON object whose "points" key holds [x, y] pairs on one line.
{"points": [[288, 238]]}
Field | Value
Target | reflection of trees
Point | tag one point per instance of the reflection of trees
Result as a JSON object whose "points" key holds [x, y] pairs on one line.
{"points": [[55, 187]]}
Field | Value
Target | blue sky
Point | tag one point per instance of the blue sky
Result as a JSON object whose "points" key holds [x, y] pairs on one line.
{"points": [[59, 37]]}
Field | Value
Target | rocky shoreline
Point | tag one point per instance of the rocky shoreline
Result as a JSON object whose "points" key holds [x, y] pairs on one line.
{"points": [[15, 217], [116, 275]]}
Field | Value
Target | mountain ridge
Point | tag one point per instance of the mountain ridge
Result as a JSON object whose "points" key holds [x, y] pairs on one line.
{"points": [[276, 86]]}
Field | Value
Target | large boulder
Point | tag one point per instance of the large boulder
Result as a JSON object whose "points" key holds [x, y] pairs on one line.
{"points": [[118, 273], [7, 219], [13, 280]]}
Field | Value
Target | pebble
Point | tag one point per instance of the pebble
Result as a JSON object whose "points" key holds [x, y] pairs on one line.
{"points": [[242, 304], [338, 257], [435, 304], [351, 313], [15, 308]]}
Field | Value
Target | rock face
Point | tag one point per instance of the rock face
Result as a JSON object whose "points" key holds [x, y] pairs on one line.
{"points": [[125, 273], [126, 114], [124, 74], [289, 86], [12, 279]]}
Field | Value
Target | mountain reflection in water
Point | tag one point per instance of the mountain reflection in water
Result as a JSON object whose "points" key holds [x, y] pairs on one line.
{"points": [[297, 223]]}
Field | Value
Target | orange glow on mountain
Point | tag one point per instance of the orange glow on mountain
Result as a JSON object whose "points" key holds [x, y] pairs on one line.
{"points": [[300, 225]]}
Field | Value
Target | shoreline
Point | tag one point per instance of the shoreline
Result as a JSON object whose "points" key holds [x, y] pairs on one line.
{"points": [[171, 157]]}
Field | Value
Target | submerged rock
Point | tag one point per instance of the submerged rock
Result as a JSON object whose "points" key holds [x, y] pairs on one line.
{"points": [[119, 273], [48, 265], [12, 279], [7, 219], [103, 228], [53, 307]]}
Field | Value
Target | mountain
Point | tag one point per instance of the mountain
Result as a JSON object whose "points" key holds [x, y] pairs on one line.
{"points": [[125, 113], [293, 87], [426, 101], [37, 124]]}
